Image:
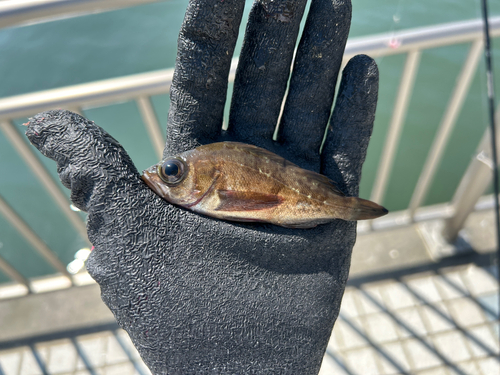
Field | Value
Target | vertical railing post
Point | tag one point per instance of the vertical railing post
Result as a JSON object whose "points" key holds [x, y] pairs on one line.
{"points": [[12, 273], [30, 236], [396, 126], [43, 176], [152, 125], [474, 183]]}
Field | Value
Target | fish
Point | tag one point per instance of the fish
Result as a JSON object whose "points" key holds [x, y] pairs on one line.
{"points": [[244, 183]]}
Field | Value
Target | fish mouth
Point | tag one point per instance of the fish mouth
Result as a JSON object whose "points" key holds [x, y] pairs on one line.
{"points": [[150, 177], [146, 177]]}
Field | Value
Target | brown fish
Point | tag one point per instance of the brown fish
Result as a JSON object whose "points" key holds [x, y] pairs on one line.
{"points": [[240, 182]]}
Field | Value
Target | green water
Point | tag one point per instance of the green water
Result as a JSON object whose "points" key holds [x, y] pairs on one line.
{"points": [[143, 38]]}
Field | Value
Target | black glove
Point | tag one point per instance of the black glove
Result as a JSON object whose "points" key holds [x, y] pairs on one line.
{"points": [[201, 295]]}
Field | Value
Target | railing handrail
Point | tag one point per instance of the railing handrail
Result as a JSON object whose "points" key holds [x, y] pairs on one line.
{"points": [[420, 38], [26, 12], [92, 93], [156, 82]]}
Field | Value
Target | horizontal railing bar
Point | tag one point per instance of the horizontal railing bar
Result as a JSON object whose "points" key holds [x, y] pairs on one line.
{"points": [[421, 38], [27, 12], [43, 176], [395, 127], [446, 127], [29, 235], [20, 12], [158, 82], [87, 94]]}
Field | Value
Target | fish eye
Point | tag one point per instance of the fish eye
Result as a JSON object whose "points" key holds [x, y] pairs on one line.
{"points": [[172, 171]]}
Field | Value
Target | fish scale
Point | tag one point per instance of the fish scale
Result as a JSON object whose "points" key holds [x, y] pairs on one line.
{"points": [[261, 164]]}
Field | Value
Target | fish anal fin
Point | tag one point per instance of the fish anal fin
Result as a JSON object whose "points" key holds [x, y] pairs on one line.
{"points": [[300, 225], [231, 200], [260, 153]]}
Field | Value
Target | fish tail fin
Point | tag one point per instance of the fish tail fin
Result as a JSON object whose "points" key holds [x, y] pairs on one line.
{"points": [[362, 209]]}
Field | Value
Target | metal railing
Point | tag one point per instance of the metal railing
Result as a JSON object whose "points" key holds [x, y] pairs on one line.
{"points": [[27, 12], [141, 87], [475, 180]]}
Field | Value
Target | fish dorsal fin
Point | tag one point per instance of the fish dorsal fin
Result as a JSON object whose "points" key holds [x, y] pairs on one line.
{"points": [[336, 189], [325, 181], [231, 200], [261, 153], [322, 180]]}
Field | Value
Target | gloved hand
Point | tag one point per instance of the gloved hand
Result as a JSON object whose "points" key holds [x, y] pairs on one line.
{"points": [[201, 295]]}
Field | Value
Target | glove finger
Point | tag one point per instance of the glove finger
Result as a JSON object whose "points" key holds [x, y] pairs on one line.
{"points": [[199, 85], [264, 68], [312, 86], [351, 124]]}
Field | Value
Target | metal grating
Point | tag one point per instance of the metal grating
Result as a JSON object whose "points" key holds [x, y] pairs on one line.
{"points": [[443, 321]]}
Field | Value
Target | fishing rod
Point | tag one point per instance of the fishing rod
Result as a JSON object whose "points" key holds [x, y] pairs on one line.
{"points": [[491, 110]]}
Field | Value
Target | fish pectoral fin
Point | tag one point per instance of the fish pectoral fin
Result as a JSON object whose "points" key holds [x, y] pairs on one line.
{"points": [[231, 200], [303, 224]]}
